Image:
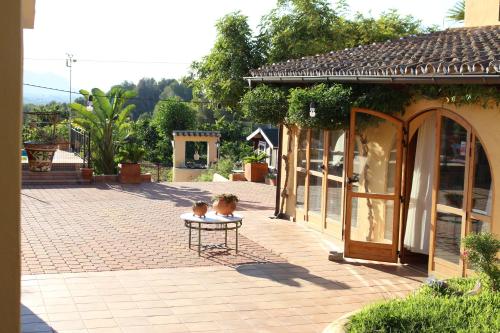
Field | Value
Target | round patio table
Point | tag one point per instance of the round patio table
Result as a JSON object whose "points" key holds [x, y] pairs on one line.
{"points": [[212, 222]]}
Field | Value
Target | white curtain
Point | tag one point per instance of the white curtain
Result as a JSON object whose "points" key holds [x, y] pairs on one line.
{"points": [[419, 211]]}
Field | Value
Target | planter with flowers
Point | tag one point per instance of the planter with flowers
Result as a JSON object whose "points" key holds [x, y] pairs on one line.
{"points": [[225, 204], [271, 179]]}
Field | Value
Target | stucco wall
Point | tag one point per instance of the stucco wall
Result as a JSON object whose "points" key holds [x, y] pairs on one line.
{"points": [[481, 12], [10, 129]]}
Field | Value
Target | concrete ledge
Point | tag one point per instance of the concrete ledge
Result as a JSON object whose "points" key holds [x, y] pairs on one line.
{"points": [[219, 178], [338, 326]]}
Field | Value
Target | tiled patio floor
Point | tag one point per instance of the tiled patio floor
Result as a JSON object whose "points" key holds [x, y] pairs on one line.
{"points": [[290, 287]]}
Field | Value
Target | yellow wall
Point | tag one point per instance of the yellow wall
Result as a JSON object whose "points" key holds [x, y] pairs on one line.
{"points": [[481, 12], [10, 129]]}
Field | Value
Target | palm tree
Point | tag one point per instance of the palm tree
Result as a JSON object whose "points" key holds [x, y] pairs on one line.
{"points": [[457, 12], [108, 121]]}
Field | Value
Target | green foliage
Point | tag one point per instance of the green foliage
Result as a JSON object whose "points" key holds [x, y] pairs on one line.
{"points": [[44, 123], [223, 167], [432, 310], [219, 74], [255, 158], [108, 124], [265, 105], [332, 106], [235, 150], [227, 197], [176, 89], [481, 252], [383, 98], [459, 94], [130, 150], [296, 28], [457, 12], [169, 115], [148, 136]]}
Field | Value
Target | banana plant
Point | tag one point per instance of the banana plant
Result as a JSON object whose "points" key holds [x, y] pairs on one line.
{"points": [[108, 121]]}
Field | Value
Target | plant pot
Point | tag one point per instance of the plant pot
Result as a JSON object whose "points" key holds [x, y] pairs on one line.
{"points": [[40, 156], [223, 207], [256, 172], [130, 173], [87, 173], [271, 181], [200, 209]]}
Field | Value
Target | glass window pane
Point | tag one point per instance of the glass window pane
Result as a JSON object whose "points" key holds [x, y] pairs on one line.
{"points": [[301, 189], [375, 153], [481, 191], [316, 148], [315, 194], [448, 230], [453, 150], [372, 220], [480, 226], [334, 201], [336, 153], [301, 150]]}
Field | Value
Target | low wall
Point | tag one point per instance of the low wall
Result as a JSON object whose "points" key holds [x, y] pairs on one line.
{"points": [[185, 174]]}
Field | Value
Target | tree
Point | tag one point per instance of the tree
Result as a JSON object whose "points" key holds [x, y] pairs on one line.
{"points": [[296, 28], [148, 94], [457, 12], [176, 89], [108, 122], [169, 115], [218, 76], [148, 135]]}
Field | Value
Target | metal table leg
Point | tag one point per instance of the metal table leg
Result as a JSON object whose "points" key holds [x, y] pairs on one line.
{"points": [[236, 238], [190, 235], [225, 239], [199, 239]]}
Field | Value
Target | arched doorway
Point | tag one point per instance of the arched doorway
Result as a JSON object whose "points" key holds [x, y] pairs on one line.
{"points": [[447, 189], [428, 177]]}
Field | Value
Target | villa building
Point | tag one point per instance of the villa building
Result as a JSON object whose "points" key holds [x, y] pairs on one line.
{"points": [[408, 187]]}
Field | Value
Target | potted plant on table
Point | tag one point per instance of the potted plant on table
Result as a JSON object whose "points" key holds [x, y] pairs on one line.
{"points": [[256, 168], [39, 139], [225, 204], [129, 155]]}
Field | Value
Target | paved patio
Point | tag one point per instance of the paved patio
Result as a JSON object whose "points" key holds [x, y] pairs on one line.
{"points": [[115, 259]]}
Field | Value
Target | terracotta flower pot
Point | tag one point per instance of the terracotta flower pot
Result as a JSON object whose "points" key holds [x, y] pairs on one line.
{"points": [[256, 172], [223, 207], [200, 208], [130, 173], [87, 173], [40, 156]]}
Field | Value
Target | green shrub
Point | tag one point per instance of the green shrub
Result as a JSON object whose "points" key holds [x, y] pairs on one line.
{"points": [[433, 310], [255, 158], [223, 167], [480, 251]]}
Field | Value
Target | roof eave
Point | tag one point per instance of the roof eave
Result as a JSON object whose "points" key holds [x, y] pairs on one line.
{"points": [[401, 79]]}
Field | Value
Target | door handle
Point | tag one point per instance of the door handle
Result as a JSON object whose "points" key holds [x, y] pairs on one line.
{"points": [[353, 179]]}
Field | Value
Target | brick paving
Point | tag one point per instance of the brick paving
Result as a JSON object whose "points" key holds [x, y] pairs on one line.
{"points": [[113, 227], [287, 285]]}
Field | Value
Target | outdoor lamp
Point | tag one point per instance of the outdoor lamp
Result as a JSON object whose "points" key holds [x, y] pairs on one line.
{"points": [[90, 106], [312, 109]]}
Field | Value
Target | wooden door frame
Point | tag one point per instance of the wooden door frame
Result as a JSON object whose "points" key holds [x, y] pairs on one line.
{"points": [[367, 250]]}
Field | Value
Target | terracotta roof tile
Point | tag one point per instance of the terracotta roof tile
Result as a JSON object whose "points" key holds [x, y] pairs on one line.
{"points": [[450, 52]]}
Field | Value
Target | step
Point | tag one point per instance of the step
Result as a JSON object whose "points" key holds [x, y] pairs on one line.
{"points": [[52, 177], [59, 166]]}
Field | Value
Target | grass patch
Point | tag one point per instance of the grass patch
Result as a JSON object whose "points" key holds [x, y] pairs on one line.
{"points": [[433, 309]]}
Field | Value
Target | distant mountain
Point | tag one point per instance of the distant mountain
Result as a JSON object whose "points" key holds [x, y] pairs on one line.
{"points": [[42, 96]]}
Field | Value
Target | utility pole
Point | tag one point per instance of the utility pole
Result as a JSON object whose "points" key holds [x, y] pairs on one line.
{"points": [[69, 64]]}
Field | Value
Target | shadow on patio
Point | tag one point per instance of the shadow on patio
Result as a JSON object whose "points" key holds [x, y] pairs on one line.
{"points": [[30, 322], [288, 274]]}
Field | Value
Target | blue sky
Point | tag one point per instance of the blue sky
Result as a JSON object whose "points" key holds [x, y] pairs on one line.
{"points": [[116, 40]]}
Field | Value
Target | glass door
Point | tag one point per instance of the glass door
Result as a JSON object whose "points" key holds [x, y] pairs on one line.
{"points": [[334, 177], [373, 187], [316, 176], [450, 210]]}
